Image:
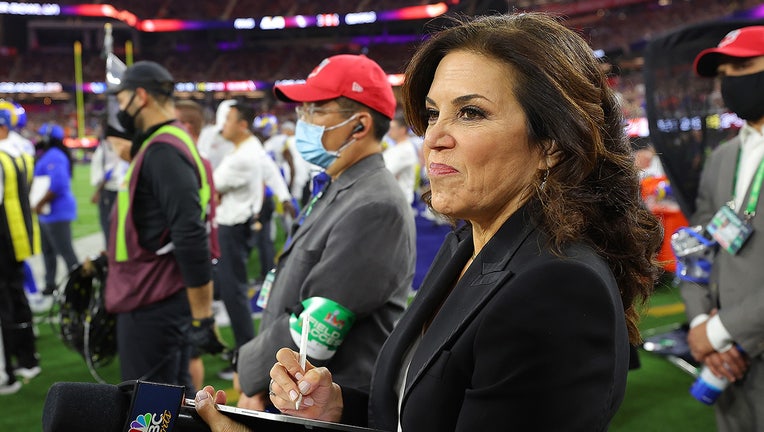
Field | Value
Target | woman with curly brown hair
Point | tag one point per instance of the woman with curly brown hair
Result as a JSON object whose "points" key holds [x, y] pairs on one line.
{"points": [[525, 317]]}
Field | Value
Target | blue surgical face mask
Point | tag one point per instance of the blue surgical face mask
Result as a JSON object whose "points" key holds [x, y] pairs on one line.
{"points": [[308, 142]]}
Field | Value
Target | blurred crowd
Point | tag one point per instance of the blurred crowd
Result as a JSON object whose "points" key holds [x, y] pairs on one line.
{"points": [[623, 31]]}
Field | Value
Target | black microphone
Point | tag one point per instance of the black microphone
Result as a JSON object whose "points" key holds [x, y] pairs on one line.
{"points": [[84, 407], [89, 407]]}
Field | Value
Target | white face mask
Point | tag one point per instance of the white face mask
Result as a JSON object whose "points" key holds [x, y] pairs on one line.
{"points": [[308, 140]]}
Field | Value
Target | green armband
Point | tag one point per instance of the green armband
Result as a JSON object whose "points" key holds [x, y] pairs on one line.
{"points": [[329, 324]]}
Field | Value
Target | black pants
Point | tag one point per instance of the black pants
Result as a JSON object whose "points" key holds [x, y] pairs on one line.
{"points": [[262, 239], [57, 240], [153, 342], [231, 278], [106, 199], [15, 316]]}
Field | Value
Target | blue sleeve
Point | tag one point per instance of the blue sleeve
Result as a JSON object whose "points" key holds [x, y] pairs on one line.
{"points": [[58, 170], [54, 165]]}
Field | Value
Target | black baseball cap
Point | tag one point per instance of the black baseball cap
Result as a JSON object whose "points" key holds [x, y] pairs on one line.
{"points": [[148, 75]]}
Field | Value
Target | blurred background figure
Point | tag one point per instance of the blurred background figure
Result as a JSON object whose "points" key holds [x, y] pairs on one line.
{"points": [[191, 115], [278, 203], [53, 201], [401, 157], [19, 239], [210, 142], [240, 179], [107, 169], [18, 120], [658, 197], [281, 148], [300, 177]]}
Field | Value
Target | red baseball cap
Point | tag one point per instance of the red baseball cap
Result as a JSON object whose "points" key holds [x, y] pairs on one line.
{"points": [[356, 77], [741, 43]]}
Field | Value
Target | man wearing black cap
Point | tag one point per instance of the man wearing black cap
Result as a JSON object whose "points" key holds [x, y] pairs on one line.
{"points": [[159, 259], [348, 264], [727, 316]]}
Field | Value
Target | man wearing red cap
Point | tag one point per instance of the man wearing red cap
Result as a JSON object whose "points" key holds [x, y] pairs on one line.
{"points": [[727, 316], [349, 261]]}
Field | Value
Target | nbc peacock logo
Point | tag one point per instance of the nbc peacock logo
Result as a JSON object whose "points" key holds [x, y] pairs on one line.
{"points": [[151, 422]]}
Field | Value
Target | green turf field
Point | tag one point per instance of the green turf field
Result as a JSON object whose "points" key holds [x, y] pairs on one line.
{"points": [[657, 396], [87, 212]]}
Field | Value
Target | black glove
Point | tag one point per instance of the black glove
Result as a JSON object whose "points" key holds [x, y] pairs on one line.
{"points": [[204, 336]]}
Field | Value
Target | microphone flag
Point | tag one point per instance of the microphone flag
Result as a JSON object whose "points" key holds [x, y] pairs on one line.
{"points": [[154, 407]]}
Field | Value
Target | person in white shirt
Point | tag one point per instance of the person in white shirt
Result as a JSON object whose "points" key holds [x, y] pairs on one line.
{"points": [[282, 149], [106, 172], [239, 182], [301, 168], [276, 175], [401, 158], [279, 191], [22, 143], [240, 179], [211, 143]]}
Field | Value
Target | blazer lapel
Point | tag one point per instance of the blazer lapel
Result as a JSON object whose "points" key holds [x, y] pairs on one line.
{"points": [[484, 277], [435, 287]]}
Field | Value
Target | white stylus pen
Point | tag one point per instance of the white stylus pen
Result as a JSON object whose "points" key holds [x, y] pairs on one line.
{"points": [[303, 353]]}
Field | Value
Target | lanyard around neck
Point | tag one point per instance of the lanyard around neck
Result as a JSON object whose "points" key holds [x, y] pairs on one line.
{"points": [[753, 198], [319, 191]]}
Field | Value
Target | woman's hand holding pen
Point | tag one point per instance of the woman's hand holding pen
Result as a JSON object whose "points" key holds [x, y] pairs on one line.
{"points": [[322, 398]]}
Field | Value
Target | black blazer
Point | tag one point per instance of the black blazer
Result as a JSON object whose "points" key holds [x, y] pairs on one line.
{"points": [[526, 340]]}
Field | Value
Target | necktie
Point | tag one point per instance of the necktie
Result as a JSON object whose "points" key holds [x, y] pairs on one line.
{"points": [[320, 182]]}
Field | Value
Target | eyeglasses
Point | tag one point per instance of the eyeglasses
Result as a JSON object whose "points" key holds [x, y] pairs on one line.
{"points": [[306, 112]]}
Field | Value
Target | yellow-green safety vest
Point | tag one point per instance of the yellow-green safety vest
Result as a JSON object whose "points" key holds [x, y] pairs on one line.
{"points": [[25, 239], [123, 196]]}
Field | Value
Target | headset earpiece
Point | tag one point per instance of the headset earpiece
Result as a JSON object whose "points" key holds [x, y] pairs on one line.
{"points": [[358, 128]]}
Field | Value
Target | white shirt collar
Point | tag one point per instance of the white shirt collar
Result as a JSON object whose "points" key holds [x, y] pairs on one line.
{"points": [[751, 153], [750, 137]]}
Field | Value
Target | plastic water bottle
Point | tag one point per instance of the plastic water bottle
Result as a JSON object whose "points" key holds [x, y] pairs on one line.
{"points": [[708, 386]]}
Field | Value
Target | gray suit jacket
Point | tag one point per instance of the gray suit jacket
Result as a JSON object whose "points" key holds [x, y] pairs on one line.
{"points": [[357, 247], [737, 282]]}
